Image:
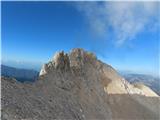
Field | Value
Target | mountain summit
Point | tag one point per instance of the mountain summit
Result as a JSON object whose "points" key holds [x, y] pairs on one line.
{"points": [[76, 85], [86, 63]]}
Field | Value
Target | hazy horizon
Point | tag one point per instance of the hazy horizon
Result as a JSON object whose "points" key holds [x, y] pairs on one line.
{"points": [[33, 31]]}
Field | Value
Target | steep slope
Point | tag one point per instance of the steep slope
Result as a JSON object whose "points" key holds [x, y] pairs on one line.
{"points": [[77, 86], [151, 81], [145, 89], [87, 64]]}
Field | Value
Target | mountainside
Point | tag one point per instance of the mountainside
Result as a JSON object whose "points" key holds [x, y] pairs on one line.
{"points": [[152, 82], [78, 86], [20, 74]]}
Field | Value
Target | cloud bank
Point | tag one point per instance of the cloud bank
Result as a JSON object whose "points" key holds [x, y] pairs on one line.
{"points": [[125, 19]]}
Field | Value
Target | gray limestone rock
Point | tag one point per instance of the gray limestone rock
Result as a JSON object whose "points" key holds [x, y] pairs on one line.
{"points": [[76, 86]]}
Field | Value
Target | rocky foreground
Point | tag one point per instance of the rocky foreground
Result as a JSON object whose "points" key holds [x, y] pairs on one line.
{"points": [[78, 86]]}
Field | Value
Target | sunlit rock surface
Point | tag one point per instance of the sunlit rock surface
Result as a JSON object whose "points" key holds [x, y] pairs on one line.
{"points": [[76, 85]]}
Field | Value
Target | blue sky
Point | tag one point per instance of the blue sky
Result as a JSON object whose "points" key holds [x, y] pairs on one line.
{"points": [[123, 34]]}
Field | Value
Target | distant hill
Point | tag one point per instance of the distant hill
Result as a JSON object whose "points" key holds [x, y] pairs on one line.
{"points": [[151, 81], [19, 74]]}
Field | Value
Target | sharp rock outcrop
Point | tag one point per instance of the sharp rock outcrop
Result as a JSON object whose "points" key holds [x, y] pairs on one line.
{"points": [[79, 60], [78, 86]]}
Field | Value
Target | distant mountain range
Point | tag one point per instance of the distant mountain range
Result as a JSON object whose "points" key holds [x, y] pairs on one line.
{"points": [[19, 74], [151, 81]]}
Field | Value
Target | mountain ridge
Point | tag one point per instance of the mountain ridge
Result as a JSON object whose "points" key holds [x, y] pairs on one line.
{"points": [[77, 58], [77, 86]]}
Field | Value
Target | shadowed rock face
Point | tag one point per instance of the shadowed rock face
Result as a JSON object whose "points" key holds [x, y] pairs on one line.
{"points": [[77, 86]]}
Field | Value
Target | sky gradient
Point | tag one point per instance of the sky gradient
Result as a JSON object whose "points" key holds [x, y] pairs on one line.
{"points": [[122, 34]]}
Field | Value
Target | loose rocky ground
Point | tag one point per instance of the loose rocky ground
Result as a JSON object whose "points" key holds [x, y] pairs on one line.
{"points": [[77, 86]]}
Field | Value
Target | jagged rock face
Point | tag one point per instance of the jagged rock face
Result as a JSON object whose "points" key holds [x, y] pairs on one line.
{"points": [[60, 62], [79, 61], [77, 86], [77, 58]]}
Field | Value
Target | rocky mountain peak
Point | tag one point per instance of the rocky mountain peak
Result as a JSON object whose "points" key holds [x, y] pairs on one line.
{"points": [[79, 62], [61, 61], [77, 57], [76, 85]]}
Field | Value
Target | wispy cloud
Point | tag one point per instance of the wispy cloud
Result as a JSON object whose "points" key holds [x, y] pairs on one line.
{"points": [[125, 19]]}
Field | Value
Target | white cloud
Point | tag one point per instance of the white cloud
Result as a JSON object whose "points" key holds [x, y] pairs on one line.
{"points": [[126, 19]]}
